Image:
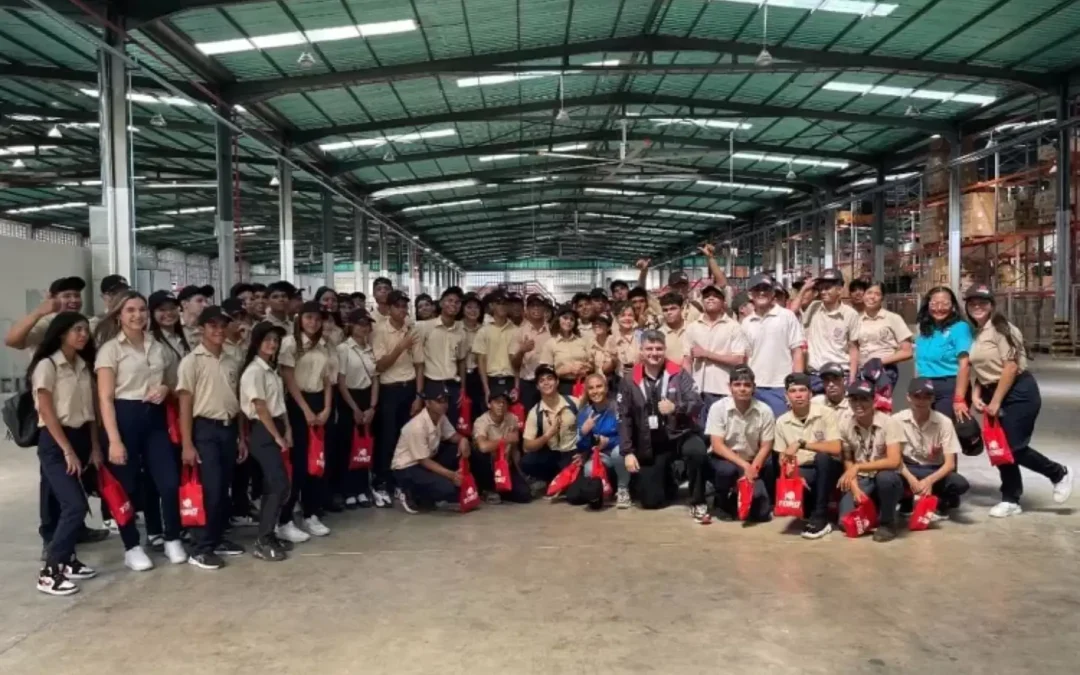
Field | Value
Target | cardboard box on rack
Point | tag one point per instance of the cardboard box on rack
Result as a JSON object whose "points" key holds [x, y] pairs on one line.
{"points": [[978, 214], [933, 224]]}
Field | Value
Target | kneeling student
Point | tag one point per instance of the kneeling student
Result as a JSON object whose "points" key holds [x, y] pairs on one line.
{"points": [[930, 449], [835, 397], [550, 436], [489, 429], [425, 460], [871, 442]]}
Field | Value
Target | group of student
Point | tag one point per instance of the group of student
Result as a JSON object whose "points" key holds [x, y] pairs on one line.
{"points": [[684, 386]]}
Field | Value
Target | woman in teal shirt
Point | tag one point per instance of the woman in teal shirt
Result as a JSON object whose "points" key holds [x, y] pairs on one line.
{"points": [[941, 352]]}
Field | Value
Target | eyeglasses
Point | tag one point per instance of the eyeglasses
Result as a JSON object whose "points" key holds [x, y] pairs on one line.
{"points": [[940, 305]]}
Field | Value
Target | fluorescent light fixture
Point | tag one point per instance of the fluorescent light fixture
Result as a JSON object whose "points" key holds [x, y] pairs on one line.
{"points": [[503, 78], [696, 214], [24, 149], [279, 40], [570, 147], [386, 27], [864, 8], [225, 46], [499, 158], [81, 183], [904, 92], [424, 187], [153, 228], [610, 216], [609, 191], [383, 140], [787, 159], [714, 124], [47, 207], [444, 205], [333, 34], [190, 210], [19, 117], [249, 228], [888, 179], [295, 38], [137, 97], [531, 179], [531, 207], [1017, 126], [660, 179], [180, 186], [744, 186]]}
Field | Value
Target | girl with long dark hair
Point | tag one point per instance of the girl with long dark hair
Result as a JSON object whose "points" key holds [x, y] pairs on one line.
{"points": [[472, 320], [60, 382], [942, 344], [358, 387], [333, 326], [567, 351]]}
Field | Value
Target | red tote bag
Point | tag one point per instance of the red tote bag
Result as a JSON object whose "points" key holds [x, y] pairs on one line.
{"points": [[862, 519], [192, 511], [501, 466], [518, 411], [997, 445], [362, 447], [468, 496], [112, 493], [316, 451], [745, 497], [565, 479], [579, 389], [464, 420], [600, 471], [883, 399], [920, 515], [172, 420], [286, 458], [789, 491]]}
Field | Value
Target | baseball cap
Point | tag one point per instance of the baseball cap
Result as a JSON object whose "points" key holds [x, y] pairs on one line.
{"points": [[233, 307], [497, 295], [114, 283], [240, 287], [564, 309], [213, 313], [740, 299], [189, 292], [66, 284], [545, 369], [598, 294], [712, 289], [603, 317], [499, 392], [831, 369], [514, 297], [742, 373], [831, 274], [678, 277], [311, 307], [472, 297], [920, 386], [433, 391], [797, 380], [534, 299], [159, 298], [979, 292], [760, 279], [779, 288], [861, 389]]}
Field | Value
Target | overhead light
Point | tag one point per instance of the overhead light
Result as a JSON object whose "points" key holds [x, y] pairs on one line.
{"points": [[389, 155], [1017, 126], [531, 179], [152, 228], [659, 179], [499, 158], [532, 207], [609, 191], [190, 210], [139, 97], [331, 34], [790, 173], [21, 117], [504, 78], [275, 180], [790, 160], [906, 92], [306, 61], [383, 140], [80, 183], [570, 147], [18, 164], [424, 187], [442, 205], [764, 59], [696, 214], [158, 121], [47, 207], [610, 216], [863, 8], [55, 132], [704, 123], [24, 149], [744, 186], [912, 111], [888, 179]]}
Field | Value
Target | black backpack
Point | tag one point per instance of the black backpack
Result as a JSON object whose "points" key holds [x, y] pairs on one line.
{"points": [[20, 416], [539, 414]]}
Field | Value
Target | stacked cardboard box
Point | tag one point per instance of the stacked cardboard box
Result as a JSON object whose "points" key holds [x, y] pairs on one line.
{"points": [[938, 182], [933, 224], [1016, 212], [978, 214]]}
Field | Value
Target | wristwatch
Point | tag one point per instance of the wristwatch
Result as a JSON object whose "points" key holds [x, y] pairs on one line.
{"points": [[802, 443]]}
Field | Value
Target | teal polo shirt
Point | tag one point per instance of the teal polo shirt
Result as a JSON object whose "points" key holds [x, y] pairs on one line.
{"points": [[937, 355]]}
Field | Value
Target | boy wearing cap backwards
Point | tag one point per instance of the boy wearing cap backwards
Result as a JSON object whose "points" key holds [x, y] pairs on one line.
{"points": [[492, 347], [65, 295], [550, 437], [426, 454], [776, 342], [193, 300], [835, 386], [832, 328], [277, 305], [871, 442], [491, 428], [930, 447], [526, 345], [809, 436], [210, 435], [714, 344], [444, 347]]}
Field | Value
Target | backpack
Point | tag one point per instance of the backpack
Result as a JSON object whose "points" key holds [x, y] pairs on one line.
{"points": [[21, 419], [540, 414]]}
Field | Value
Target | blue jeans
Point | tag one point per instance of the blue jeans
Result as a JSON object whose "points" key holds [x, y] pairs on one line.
{"points": [[425, 487], [145, 435], [65, 490], [885, 488], [774, 398], [613, 460]]}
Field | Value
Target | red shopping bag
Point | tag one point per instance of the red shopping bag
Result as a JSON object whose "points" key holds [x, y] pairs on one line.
{"points": [[501, 467], [112, 493], [192, 511], [565, 479], [172, 420], [789, 491], [518, 411], [579, 389], [362, 447], [600, 471], [464, 420], [745, 497], [316, 451], [286, 458], [997, 445], [883, 399], [920, 515], [861, 519], [468, 496]]}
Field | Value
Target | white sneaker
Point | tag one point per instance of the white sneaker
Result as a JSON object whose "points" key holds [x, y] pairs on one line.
{"points": [[404, 502], [381, 498], [1005, 509], [314, 526], [137, 560], [291, 533], [111, 525], [1063, 488], [936, 517], [175, 551], [350, 501], [363, 501]]}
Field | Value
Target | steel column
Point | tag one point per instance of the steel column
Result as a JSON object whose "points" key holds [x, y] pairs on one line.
{"points": [[360, 251], [328, 238], [778, 260], [828, 232], [955, 226], [877, 233], [384, 264], [224, 222], [286, 243], [1063, 251]]}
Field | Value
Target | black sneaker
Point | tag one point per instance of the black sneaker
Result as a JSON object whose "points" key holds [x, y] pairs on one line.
{"points": [[816, 529], [156, 542], [206, 561], [53, 581], [187, 537], [884, 533], [75, 569], [268, 550], [282, 544], [91, 535], [335, 504], [227, 547]]}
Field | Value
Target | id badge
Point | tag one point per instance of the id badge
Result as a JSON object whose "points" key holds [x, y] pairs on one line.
{"points": [[654, 422]]}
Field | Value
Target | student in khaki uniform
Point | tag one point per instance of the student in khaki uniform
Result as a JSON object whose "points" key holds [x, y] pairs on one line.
{"points": [[472, 320], [245, 475], [515, 308], [647, 319], [714, 345], [832, 328], [277, 304], [380, 293], [130, 368], [527, 346], [492, 346], [427, 454], [212, 437], [583, 307], [444, 347], [603, 353], [550, 437], [809, 436], [567, 352], [64, 295], [871, 442], [930, 447], [626, 338], [358, 384], [1005, 388], [193, 300], [397, 351], [674, 328], [835, 395], [490, 428], [258, 300], [60, 383], [883, 334], [262, 400], [333, 331], [306, 367]]}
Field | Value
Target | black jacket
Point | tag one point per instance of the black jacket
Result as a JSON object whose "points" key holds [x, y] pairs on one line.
{"points": [[635, 437]]}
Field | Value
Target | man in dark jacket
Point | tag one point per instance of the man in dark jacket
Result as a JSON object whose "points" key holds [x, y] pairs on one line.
{"points": [[658, 423]]}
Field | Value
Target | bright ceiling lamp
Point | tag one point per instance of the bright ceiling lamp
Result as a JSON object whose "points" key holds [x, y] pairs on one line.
{"points": [[294, 38], [787, 159], [179, 185], [154, 228], [443, 205], [696, 214], [424, 187], [570, 147], [47, 207], [503, 78], [190, 210], [744, 186], [138, 97], [383, 140], [703, 123], [907, 92], [889, 179], [1017, 126], [609, 191], [659, 179], [532, 207], [610, 216], [499, 158], [24, 149], [531, 179], [862, 8]]}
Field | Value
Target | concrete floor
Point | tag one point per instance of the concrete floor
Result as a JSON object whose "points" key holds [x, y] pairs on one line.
{"points": [[552, 589]]}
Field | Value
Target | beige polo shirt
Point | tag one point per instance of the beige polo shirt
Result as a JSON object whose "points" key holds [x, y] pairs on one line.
{"points": [[444, 348], [586, 330], [566, 439], [772, 338], [881, 335], [212, 383], [673, 341], [493, 343], [627, 348], [828, 333], [37, 332], [419, 440], [531, 359], [990, 351], [384, 338], [862, 445], [137, 369], [71, 387], [820, 424], [603, 355], [356, 364], [561, 350], [743, 432], [470, 339], [312, 368], [723, 336], [193, 334], [285, 323], [260, 382], [174, 350], [929, 443], [486, 429], [842, 409]]}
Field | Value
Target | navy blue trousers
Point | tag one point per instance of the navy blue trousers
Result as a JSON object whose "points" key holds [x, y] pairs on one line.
{"points": [[145, 435], [216, 443], [64, 491]]}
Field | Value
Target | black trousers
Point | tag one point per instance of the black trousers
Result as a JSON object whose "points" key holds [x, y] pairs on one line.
{"points": [[948, 489], [427, 487], [351, 482], [145, 435], [64, 491], [216, 443], [267, 454], [453, 387], [528, 394], [395, 403], [726, 474], [1019, 410], [482, 465], [944, 389], [309, 490], [240, 492], [821, 476], [654, 484], [545, 464], [474, 389]]}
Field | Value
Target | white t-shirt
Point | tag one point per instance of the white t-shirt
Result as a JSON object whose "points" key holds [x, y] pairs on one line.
{"points": [[772, 337]]}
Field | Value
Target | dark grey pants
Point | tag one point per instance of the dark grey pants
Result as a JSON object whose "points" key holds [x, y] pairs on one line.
{"points": [[271, 461]]}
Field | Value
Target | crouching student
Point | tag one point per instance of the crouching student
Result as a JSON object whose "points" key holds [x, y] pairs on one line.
{"points": [[211, 435], [835, 395], [550, 430], [262, 400], [809, 437], [598, 426], [871, 443], [741, 429], [930, 449], [425, 462], [491, 428]]}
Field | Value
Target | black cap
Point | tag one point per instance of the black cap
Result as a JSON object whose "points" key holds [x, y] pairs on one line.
{"points": [[861, 389], [678, 277], [159, 298], [114, 283], [499, 392], [359, 316], [473, 297], [618, 283], [213, 313], [578, 297], [778, 287], [66, 284], [603, 317], [742, 373], [598, 294], [234, 307], [741, 298], [761, 279], [545, 369], [638, 292], [497, 295], [920, 386], [514, 297], [831, 274], [534, 299], [712, 289], [434, 391], [565, 308], [311, 307], [264, 328], [831, 369], [189, 292], [970, 436], [241, 287], [979, 292], [797, 380], [397, 297]]}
